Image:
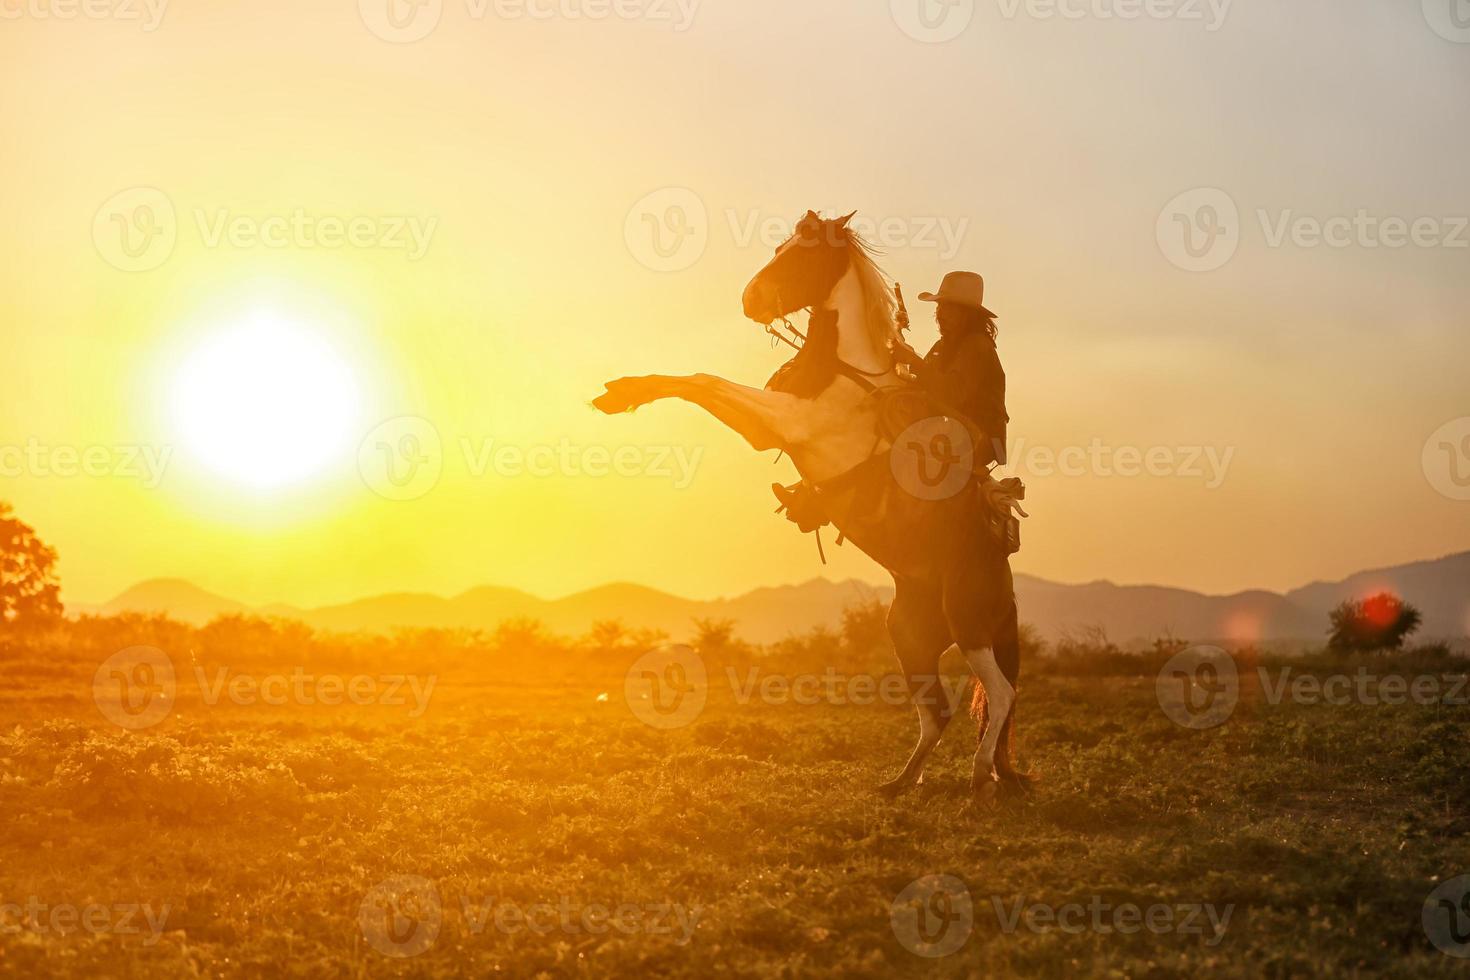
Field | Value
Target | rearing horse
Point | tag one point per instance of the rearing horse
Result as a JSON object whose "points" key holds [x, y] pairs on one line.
{"points": [[952, 579]]}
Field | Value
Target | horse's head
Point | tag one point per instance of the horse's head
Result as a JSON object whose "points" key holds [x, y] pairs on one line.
{"points": [[806, 269], [827, 265]]}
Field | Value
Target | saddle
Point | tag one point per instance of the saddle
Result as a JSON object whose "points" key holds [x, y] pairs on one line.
{"points": [[898, 409]]}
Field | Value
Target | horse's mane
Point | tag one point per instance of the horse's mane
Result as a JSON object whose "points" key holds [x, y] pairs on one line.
{"points": [[880, 306]]}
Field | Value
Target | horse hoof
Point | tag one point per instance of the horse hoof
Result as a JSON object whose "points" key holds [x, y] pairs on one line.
{"points": [[1014, 788], [986, 795], [609, 403]]}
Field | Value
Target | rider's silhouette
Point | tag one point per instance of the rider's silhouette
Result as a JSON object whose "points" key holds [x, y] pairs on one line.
{"points": [[963, 370]]}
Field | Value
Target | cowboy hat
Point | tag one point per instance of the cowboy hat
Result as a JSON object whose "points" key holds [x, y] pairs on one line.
{"points": [[965, 289]]}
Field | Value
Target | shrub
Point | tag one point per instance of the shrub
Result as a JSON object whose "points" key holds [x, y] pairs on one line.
{"points": [[1379, 622]]}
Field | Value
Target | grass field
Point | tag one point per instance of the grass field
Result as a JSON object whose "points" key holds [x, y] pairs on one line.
{"points": [[519, 817]]}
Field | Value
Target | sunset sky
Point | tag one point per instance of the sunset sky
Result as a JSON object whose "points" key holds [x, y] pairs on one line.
{"points": [[241, 238]]}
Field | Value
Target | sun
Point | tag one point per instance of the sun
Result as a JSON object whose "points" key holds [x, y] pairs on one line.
{"points": [[266, 402]]}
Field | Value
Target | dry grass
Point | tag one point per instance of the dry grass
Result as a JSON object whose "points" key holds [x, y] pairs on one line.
{"points": [[747, 843]]}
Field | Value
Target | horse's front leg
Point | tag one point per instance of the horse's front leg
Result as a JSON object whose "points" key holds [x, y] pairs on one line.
{"points": [[920, 637], [765, 419]]}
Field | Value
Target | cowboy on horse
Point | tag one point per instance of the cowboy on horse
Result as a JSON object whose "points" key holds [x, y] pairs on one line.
{"points": [[847, 413], [961, 376]]}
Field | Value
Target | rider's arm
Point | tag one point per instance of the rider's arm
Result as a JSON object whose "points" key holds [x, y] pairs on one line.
{"points": [[991, 396], [972, 369], [974, 384]]}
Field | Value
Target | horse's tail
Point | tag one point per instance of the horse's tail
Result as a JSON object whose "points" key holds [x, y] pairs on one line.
{"points": [[1008, 659]]}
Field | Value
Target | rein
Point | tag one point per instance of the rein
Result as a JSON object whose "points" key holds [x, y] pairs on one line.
{"points": [[853, 373], [791, 327]]}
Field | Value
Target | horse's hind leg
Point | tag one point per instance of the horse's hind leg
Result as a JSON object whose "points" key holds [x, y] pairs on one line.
{"points": [[1008, 658], [976, 608], [920, 637], [1000, 701]]}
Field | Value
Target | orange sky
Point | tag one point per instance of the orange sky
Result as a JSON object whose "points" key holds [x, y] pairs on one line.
{"points": [[458, 230]]}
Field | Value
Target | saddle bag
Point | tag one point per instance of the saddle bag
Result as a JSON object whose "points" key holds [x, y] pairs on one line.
{"points": [[1001, 499]]}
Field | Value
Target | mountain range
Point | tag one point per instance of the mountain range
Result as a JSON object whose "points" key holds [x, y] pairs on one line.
{"points": [[1128, 613]]}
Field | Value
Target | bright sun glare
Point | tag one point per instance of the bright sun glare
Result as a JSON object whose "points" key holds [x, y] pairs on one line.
{"points": [[265, 403]]}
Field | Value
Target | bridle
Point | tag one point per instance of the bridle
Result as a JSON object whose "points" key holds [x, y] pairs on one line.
{"points": [[863, 379]]}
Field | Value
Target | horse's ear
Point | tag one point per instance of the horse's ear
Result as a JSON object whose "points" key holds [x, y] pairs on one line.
{"points": [[812, 216], [842, 222]]}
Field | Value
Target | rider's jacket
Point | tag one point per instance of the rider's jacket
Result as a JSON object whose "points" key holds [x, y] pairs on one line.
{"points": [[963, 373]]}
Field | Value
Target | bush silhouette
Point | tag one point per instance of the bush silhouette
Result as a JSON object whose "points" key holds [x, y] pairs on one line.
{"points": [[30, 596], [1379, 622]]}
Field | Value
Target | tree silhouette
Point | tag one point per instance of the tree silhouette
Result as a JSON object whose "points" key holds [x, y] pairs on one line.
{"points": [[30, 596], [1379, 622]]}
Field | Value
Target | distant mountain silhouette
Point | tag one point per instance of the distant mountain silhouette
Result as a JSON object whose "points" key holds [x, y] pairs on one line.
{"points": [[1129, 613], [762, 615]]}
